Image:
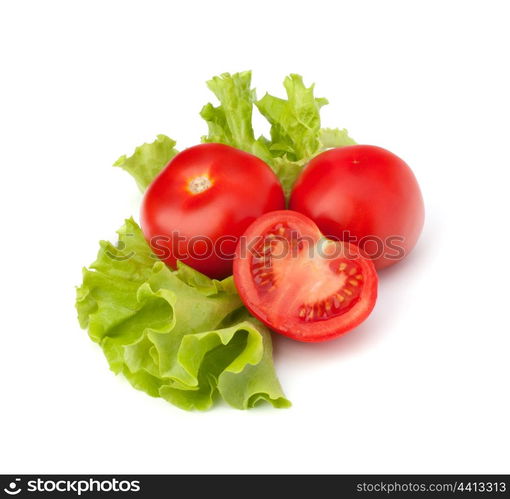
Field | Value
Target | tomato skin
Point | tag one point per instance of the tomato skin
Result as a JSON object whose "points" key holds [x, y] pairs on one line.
{"points": [[367, 191], [176, 221], [275, 307]]}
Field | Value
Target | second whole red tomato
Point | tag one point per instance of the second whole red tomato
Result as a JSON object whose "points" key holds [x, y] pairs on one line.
{"points": [[364, 195], [201, 203]]}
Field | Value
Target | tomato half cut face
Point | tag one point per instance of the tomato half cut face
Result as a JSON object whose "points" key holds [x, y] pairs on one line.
{"points": [[299, 283]]}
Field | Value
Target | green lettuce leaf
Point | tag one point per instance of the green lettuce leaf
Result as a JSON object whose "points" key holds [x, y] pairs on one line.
{"points": [[295, 122], [148, 160], [231, 122], [334, 137], [288, 171], [175, 334]]}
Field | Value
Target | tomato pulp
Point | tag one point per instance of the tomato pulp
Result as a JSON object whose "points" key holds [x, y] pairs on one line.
{"points": [[203, 200], [365, 195], [299, 283]]}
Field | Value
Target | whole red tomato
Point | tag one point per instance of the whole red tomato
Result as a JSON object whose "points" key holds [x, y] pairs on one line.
{"points": [[201, 203], [364, 195]]}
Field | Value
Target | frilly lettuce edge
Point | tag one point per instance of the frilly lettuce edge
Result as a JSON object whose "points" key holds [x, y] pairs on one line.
{"points": [[177, 334]]}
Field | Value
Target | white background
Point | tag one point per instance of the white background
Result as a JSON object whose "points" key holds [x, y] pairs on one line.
{"points": [[422, 386]]}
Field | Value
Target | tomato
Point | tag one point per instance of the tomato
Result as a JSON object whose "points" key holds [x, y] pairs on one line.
{"points": [[365, 195], [199, 205], [299, 283]]}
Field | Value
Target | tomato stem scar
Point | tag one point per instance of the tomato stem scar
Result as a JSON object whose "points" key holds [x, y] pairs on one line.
{"points": [[199, 184]]}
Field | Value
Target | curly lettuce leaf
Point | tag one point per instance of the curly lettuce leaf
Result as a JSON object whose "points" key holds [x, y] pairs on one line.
{"points": [[288, 171], [148, 160], [175, 334], [231, 122], [295, 122], [334, 137]]}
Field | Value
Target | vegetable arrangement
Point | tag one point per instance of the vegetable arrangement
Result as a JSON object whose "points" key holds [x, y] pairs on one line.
{"points": [[163, 304]]}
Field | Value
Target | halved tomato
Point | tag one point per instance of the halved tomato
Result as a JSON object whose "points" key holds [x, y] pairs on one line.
{"points": [[299, 283]]}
